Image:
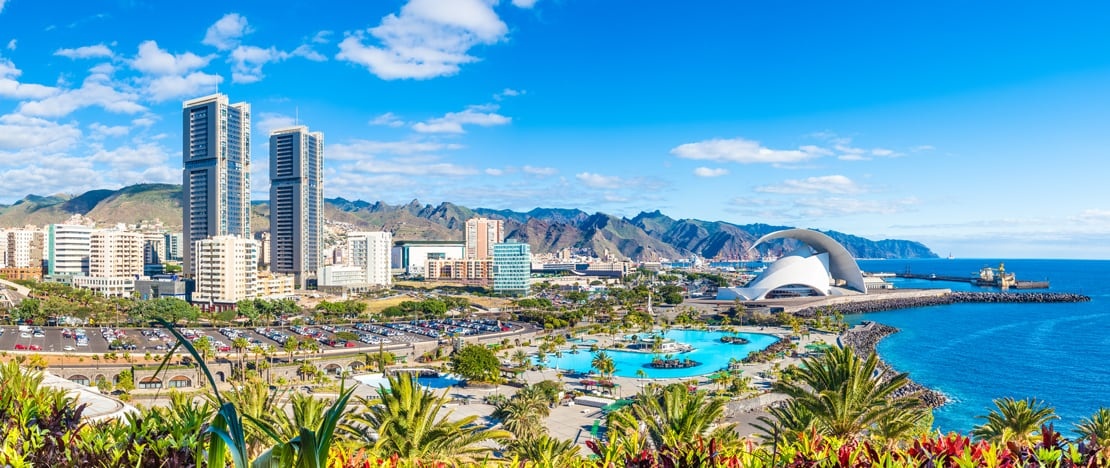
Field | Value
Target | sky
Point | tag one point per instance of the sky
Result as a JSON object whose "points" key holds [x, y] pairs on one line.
{"points": [[977, 128]]}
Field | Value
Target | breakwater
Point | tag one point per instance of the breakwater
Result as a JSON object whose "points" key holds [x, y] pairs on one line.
{"points": [[864, 338], [879, 304]]}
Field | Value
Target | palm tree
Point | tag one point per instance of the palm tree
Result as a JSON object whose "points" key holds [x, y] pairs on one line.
{"points": [[604, 364], [306, 370], [1012, 419], [844, 393], [674, 416], [1096, 428], [520, 358], [545, 450], [405, 420], [240, 344], [524, 414]]}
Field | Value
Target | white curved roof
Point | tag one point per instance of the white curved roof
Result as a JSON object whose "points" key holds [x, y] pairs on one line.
{"points": [[841, 265], [800, 268]]}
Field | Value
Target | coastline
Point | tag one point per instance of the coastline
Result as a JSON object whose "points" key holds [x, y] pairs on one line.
{"points": [[863, 340]]}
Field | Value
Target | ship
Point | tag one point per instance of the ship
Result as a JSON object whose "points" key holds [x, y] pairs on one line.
{"points": [[990, 277]]}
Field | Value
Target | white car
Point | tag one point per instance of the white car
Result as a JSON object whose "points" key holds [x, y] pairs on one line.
{"points": [[24, 335], [69, 348]]}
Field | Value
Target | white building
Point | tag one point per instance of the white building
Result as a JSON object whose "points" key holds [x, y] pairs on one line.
{"points": [[371, 251], [116, 286], [24, 248], [481, 235], [341, 275], [67, 249], [413, 256], [226, 269], [115, 254]]}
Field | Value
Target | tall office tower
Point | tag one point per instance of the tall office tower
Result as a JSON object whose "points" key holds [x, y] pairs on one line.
{"points": [[481, 234], [67, 249], [512, 268], [371, 251], [226, 269], [173, 246], [215, 150], [296, 201], [115, 254]]}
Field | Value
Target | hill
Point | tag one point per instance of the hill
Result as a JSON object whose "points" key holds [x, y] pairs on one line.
{"points": [[647, 236]]}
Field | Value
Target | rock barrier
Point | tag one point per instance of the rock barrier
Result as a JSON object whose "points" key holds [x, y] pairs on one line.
{"points": [[864, 338], [894, 303]]}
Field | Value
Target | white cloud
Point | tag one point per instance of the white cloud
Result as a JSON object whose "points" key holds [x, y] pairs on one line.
{"points": [[306, 51], [247, 62], [590, 179], [20, 132], [155, 61], [267, 122], [96, 90], [322, 37], [12, 44], [225, 33], [388, 119], [494, 171], [164, 88], [883, 152], [710, 172], [453, 122], [100, 130], [539, 171], [524, 3], [144, 121], [744, 151], [2, 5], [93, 51], [429, 38], [361, 149], [508, 92], [822, 184], [11, 87]]}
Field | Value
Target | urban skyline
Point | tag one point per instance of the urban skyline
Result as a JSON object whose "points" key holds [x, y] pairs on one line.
{"points": [[947, 124]]}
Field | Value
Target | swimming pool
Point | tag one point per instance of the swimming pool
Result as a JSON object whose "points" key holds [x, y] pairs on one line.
{"points": [[708, 350], [435, 383]]}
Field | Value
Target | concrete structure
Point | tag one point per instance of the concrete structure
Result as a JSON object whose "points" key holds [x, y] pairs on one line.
{"points": [[481, 235], [154, 248], [113, 286], [820, 267], [512, 268], [468, 271], [275, 286], [165, 286], [341, 275], [67, 249], [215, 181], [371, 251], [22, 254], [226, 270], [174, 247], [115, 254], [264, 249], [296, 202], [412, 256]]}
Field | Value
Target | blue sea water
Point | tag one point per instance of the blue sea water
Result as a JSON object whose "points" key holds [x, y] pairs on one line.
{"points": [[974, 353]]}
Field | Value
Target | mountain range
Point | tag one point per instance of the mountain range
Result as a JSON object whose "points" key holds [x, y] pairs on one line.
{"points": [[648, 236]]}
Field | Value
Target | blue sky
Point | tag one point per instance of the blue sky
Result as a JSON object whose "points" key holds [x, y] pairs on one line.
{"points": [[978, 128]]}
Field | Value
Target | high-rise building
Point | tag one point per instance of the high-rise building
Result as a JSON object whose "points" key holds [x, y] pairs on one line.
{"points": [[481, 235], [512, 268], [173, 246], [67, 249], [371, 251], [115, 254], [23, 254], [226, 269], [296, 201], [154, 248], [217, 166]]}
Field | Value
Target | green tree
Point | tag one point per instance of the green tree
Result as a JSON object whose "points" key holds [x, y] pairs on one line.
{"points": [[1096, 428], [126, 380], [1016, 420], [675, 416], [604, 364], [843, 392], [524, 414], [475, 362], [407, 422]]}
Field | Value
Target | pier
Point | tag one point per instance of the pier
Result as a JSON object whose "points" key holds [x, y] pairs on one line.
{"points": [[988, 277]]}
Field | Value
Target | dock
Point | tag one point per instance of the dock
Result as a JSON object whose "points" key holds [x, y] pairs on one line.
{"points": [[987, 277]]}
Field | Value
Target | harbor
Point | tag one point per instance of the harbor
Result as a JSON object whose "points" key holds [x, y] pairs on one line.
{"points": [[986, 277]]}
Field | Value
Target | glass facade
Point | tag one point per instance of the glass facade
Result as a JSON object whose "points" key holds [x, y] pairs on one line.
{"points": [[512, 268]]}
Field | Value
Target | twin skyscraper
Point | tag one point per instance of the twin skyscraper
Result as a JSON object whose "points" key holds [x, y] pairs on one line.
{"points": [[216, 185]]}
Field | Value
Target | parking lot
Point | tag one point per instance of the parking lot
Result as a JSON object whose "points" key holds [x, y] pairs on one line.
{"points": [[368, 336]]}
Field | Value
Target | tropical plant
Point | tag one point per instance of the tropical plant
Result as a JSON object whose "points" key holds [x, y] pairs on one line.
{"points": [[1096, 428], [673, 415], [604, 364], [405, 420], [843, 393], [544, 451], [475, 362], [1017, 420]]}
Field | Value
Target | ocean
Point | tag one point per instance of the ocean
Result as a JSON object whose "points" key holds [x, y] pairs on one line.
{"points": [[975, 353]]}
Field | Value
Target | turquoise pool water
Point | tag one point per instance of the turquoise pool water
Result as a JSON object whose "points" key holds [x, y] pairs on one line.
{"points": [[708, 350], [436, 383]]}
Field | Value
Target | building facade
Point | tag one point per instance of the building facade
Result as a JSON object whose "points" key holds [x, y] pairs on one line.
{"points": [[226, 269], [173, 246], [23, 254], [216, 176], [371, 251], [115, 254], [412, 256], [275, 286], [481, 235], [296, 202], [67, 249], [475, 272], [512, 268]]}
